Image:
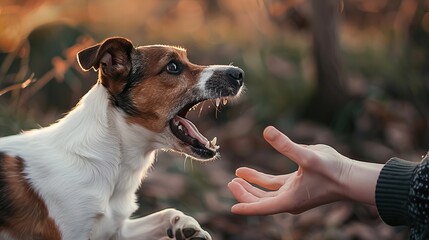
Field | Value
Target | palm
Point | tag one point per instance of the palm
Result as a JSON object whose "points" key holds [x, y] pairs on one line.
{"points": [[314, 183]]}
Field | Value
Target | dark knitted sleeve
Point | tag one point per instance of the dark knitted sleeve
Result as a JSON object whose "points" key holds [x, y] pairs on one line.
{"points": [[402, 195]]}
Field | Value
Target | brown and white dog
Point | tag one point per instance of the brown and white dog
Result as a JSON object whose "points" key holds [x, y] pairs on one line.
{"points": [[77, 178]]}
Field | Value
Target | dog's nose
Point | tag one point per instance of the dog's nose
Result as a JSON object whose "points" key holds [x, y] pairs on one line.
{"points": [[236, 75]]}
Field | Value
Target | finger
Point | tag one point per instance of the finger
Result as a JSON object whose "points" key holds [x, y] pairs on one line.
{"points": [[267, 181], [240, 193], [251, 189], [264, 207], [296, 152]]}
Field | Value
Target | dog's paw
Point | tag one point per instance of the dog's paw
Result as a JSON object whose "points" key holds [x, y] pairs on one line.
{"points": [[186, 228]]}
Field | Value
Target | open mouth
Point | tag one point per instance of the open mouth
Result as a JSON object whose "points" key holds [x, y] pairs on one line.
{"points": [[188, 133]]}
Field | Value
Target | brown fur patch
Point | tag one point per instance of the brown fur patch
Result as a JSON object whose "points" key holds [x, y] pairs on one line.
{"points": [[23, 214], [160, 92]]}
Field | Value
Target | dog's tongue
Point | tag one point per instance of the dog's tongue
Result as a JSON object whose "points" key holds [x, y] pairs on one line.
{"points": [[192, 130]]}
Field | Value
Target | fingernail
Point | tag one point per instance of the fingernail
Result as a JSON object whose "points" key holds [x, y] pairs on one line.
{"points": [[270, 133], [239, 170], [233, 180]]}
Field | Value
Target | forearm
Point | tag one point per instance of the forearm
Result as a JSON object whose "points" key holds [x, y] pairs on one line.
{"points": [[360, 182]]}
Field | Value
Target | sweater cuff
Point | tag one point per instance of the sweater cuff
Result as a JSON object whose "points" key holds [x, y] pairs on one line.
{"points": [[392, 191]]}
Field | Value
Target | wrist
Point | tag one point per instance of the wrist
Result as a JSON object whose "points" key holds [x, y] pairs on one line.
{"points": [[360, 180]]}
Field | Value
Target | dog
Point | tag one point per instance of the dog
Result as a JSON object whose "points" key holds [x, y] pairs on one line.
{"points": [[77, 178]]}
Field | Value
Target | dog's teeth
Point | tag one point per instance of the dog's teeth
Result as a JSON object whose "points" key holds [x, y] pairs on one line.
{"points": [[176, 122], [224, 101], [217, 102], [180, 127], [213, 142], [207, 144]]}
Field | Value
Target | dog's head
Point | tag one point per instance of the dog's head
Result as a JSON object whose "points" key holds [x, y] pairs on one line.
{"points": [[155, 87]]}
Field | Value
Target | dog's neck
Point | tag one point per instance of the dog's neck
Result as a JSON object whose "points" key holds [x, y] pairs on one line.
{"points": [[98, 132]]}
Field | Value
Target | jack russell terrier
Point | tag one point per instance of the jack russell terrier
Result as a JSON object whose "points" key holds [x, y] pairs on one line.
{"points": [[77, 178]]}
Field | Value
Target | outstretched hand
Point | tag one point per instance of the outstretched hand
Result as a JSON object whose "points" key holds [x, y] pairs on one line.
{"points": [[323, 176]]}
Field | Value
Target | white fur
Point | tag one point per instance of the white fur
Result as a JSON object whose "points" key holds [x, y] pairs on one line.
{"points": [[87, 167], [205, 75]]}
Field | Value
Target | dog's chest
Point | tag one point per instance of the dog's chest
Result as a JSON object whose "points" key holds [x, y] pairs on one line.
{"points": [[100, 203], [120, 205]]}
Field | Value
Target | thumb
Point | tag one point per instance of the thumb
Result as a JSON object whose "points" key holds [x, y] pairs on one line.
{"points": [[284, 145]]}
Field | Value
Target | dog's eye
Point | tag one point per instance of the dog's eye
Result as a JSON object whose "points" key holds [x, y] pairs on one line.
{"points": [[174, 67]]}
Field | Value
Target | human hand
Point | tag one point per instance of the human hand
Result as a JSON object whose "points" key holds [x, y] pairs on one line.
{"points": [[323, 176]]}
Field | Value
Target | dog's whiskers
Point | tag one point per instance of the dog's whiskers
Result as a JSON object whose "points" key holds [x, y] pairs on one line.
{"points": [[201, 108], [216, 106], [216, 110], [184, 163]]}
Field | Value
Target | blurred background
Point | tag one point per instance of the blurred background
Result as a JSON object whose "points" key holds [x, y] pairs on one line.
{"points": [[352, 74]]}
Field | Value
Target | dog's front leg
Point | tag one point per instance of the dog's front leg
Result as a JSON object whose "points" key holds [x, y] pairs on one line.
{"points": [[166, 224]]}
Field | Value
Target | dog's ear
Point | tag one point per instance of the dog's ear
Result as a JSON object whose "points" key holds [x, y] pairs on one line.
{"points": [[86, 57], [113, 56]]}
